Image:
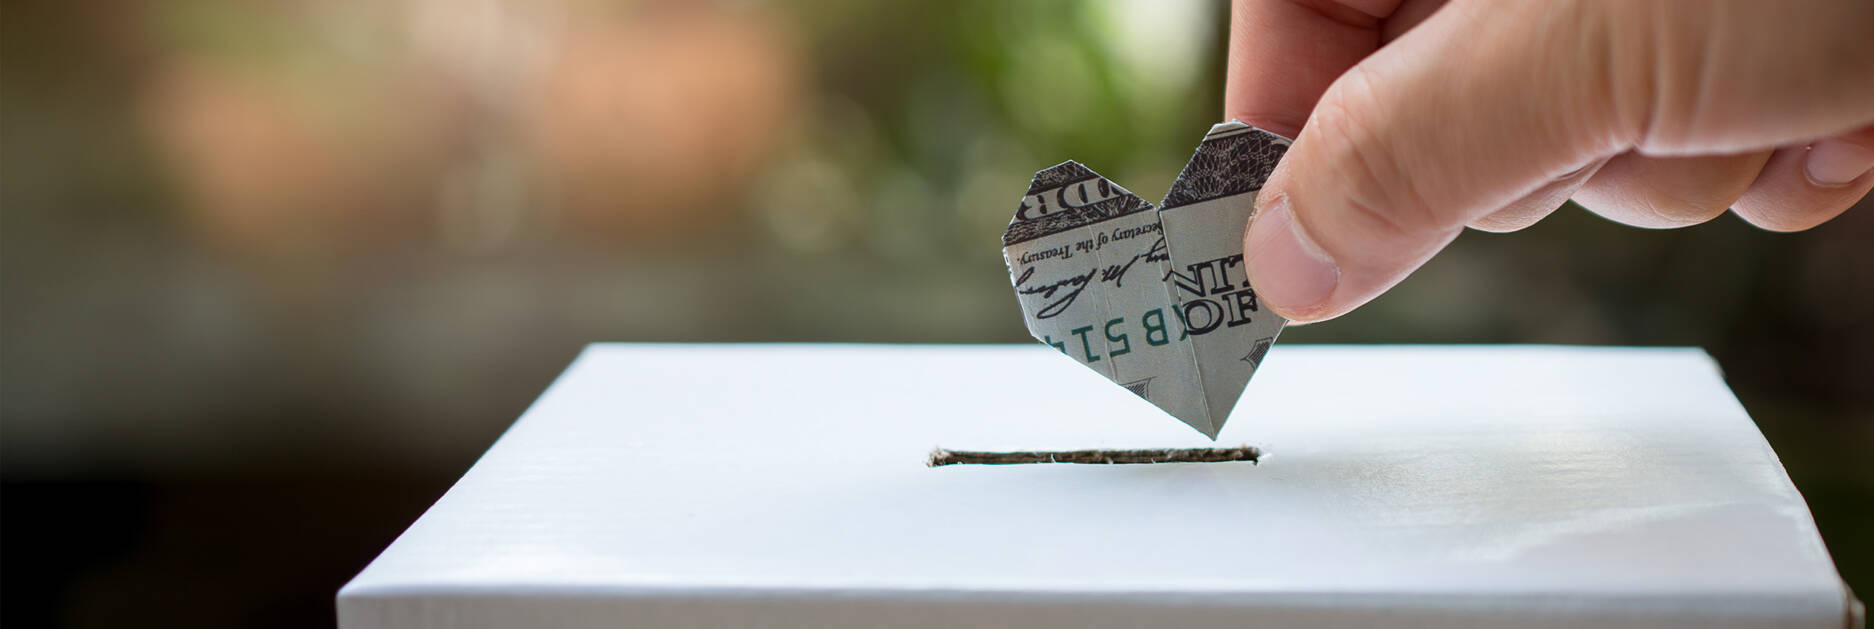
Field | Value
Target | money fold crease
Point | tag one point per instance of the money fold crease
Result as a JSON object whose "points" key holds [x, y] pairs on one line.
{"points": [[1156, 299]]}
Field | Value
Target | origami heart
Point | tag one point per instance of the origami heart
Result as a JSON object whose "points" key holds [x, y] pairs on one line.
{"points": [[1158, 301]]}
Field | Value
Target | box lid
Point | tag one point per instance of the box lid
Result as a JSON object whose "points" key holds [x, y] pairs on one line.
{"points": [[785, 486]]}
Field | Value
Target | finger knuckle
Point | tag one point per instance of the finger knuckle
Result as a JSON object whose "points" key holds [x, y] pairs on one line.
{"points": [[1680, 210], [1370, 165], [1792, 212], [1783, 221]]}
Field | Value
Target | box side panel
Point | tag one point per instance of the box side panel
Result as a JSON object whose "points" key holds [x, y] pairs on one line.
{"points": [[941, 610]]}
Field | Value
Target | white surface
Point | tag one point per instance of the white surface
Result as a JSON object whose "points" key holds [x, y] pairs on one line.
{"points": [[784, 486]]}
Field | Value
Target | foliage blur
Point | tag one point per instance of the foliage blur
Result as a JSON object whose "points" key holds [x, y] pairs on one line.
{"points": [[272, 274]]}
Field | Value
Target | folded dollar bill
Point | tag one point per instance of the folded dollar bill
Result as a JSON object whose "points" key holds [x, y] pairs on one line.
{"points": [[1156, 299]]}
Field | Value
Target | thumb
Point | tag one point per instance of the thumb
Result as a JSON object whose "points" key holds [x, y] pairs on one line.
{"points": [[1475, 108]]}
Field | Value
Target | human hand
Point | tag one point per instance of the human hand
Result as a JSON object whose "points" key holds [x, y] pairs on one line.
{"points": [[1414, 119]]}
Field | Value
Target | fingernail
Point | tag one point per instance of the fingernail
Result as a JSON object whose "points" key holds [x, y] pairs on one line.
{"points": [[1291, 274], [1836, 163]]}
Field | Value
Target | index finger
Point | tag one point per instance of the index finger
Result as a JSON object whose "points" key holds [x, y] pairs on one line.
{"points": [[1285, 53]]}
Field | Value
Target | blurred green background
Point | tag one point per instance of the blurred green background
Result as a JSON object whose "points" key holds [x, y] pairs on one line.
{"points": [[273, 274]]}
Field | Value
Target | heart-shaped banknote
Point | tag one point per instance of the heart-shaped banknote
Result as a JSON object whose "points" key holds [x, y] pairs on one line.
{"points": [[1155, 299]]}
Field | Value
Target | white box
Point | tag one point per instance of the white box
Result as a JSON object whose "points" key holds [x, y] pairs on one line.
{"points": [[784, 486]]}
